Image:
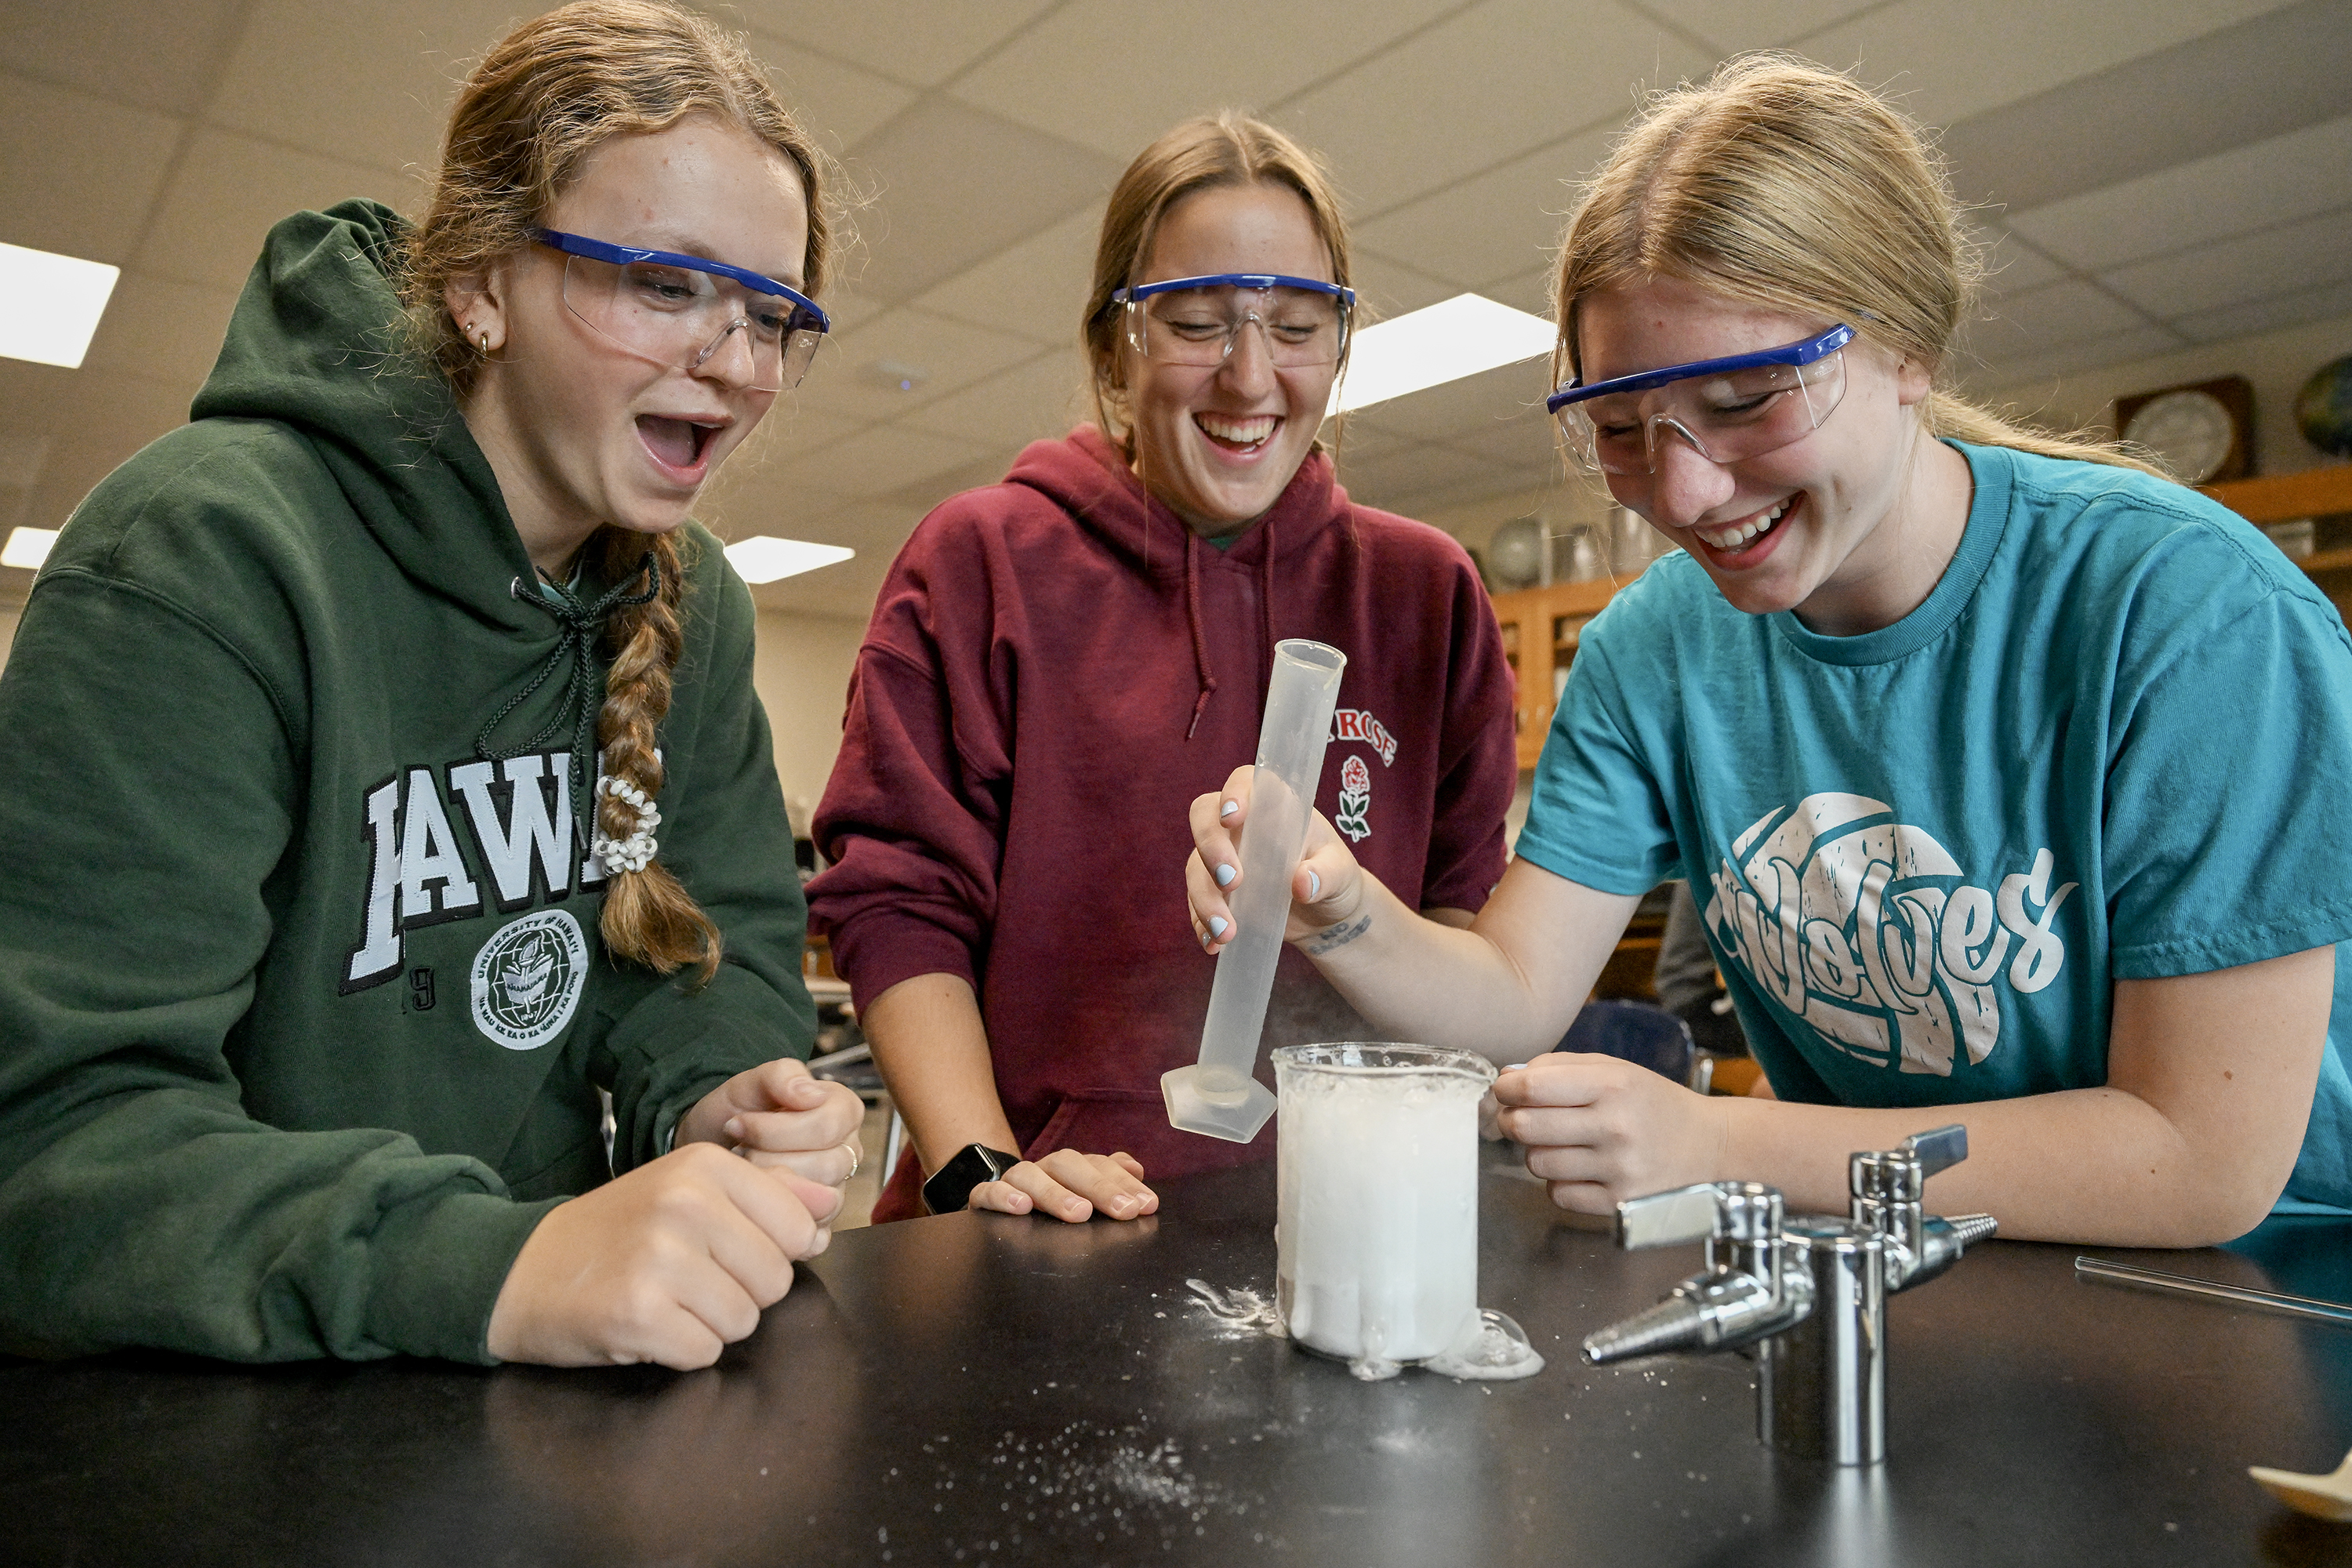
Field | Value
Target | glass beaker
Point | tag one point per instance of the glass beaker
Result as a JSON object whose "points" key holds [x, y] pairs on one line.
{"points": [[1376, 1235]]}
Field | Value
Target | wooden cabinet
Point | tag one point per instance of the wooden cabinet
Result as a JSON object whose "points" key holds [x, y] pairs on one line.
{"points": [[1539, 634]]}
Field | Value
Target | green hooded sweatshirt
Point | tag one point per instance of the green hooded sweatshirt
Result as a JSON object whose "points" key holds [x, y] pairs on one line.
{"points": [[303, 1008]]}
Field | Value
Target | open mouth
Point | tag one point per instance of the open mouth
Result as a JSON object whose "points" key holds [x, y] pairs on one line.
{"points": [[1231, 434], [680, 446], [1748, 541]]}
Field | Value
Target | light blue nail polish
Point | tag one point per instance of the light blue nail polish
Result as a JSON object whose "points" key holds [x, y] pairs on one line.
{"points": [[1314, 886], [1225, 876], [1217, 925], [1227, 810]]}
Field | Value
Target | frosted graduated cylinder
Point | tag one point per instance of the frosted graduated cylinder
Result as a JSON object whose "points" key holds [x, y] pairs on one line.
{"points": [[1377, 1230], [1218, 1095]]}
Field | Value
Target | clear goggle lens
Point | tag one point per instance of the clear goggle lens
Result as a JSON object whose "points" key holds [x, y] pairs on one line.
{"points": [[1200, 326], [1725, 415], [679, 316]]}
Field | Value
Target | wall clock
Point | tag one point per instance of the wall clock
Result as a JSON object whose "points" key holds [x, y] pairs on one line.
{"points": [[2203, 433]]}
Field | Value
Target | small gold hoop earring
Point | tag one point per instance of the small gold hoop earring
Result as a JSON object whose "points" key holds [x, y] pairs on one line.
{"points": [[486, 345]]}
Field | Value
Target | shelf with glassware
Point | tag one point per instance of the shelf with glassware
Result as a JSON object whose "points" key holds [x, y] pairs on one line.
{"points": [[2318, 493], [1540, 632]]}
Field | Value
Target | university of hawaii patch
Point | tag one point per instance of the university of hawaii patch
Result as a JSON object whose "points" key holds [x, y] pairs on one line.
{"points": [[528, 979]]}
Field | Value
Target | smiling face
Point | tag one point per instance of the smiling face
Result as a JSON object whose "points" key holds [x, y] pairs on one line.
{"points": [[1220, 443], [1849, 526], [581, 432]]}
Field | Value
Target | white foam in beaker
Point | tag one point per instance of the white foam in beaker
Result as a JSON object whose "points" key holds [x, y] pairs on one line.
{"points": [[1377, 1231]]}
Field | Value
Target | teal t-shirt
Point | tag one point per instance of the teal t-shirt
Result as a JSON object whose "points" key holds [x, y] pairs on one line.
{"points": [[2113, 743]]}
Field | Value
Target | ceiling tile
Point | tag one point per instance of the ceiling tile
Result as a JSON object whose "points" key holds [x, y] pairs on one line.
{"points": [[955, 186], [875, 462], [2262, 78], [1729, 26], [1500, 79], [1380, 481], [97, 422], [842, 592], [2269, 315], [2033, 363], [1054, 77], [845, 307], [877, 531], [918, 497], [1948, 59], [2284, 178], [2018, 326], [791, 429], [918, 41], [1387, 288], [2012, 266], [838, 104], [944, 355], [22, 457], [1497, 224], [2244, 267], [1035, 402], [163, 332], [1532, 443], [79, 175], [1474, 406], [229, 189], [365, 84], [1530, 291], [136, 52], [1036, 290]]}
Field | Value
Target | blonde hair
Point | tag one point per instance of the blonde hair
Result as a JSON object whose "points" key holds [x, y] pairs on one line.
{"points": [[1784, 185], [544, 99], [1207, 153]]}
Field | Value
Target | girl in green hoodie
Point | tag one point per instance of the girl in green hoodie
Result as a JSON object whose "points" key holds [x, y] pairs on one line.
{"points": [[390, 779]]}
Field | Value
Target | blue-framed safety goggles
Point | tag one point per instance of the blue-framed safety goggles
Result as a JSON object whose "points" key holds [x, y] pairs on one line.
{"points": [[1739, 406], [1195, 320], [677, 310]]}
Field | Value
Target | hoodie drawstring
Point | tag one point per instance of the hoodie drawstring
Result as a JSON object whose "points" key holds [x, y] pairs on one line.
{"points": [[1193, 608], [580, 627], [1265, 595], [1199, 643]]}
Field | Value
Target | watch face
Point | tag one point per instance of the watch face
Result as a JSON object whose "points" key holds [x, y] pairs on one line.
{"points": [[2190, 432]]}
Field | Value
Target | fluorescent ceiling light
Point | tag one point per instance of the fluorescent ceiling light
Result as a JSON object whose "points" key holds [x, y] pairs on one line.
{"points": [[1457, 337], [54, 304], [28, 548], [763, 558]]}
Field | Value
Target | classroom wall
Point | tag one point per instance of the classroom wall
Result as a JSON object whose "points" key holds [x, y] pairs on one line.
{"points": [[800, 670], [7, 631], [2277, 363]]}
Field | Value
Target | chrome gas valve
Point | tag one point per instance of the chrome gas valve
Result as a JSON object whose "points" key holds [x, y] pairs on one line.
{"points": [[1805, 1295]]}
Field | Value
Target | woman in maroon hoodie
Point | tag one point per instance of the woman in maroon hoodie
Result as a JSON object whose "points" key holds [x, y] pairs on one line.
{"points": [[1059, 663]]}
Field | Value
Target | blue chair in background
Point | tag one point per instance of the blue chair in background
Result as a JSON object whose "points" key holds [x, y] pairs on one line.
{"points": [[1639, 1032]]}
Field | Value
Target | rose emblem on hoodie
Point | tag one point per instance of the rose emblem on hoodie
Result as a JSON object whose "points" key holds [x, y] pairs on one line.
{"points": [[1355, 800]]}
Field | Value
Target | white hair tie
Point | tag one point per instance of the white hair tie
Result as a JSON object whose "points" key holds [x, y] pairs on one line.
{"points": [[635, 852]]}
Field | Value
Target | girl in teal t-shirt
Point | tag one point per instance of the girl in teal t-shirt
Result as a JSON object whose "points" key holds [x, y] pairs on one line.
{"points": [[2002, 768]]}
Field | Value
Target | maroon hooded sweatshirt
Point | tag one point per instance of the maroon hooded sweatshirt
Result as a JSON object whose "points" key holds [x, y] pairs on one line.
{"points": [[1055, 667]]}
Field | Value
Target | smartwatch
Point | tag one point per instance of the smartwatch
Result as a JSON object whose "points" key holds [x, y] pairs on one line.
{"points": [[950, 1187]]}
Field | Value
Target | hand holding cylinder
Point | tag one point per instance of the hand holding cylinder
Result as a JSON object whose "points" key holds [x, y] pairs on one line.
{"points": [[1218, 1095]]}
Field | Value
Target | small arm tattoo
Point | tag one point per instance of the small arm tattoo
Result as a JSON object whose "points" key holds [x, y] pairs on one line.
{"points": [[1334, 937]]}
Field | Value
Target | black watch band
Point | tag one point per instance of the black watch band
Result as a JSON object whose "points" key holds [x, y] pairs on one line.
{"points": [[950, 1187]]}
